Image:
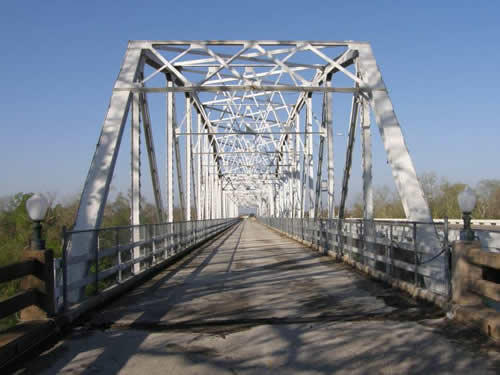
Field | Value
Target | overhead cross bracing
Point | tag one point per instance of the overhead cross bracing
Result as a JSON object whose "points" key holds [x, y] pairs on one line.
{"points": [[244, 134]]}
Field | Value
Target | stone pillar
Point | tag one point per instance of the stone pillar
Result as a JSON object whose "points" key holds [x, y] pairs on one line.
{"points": [[464, 273], [43, 282]]}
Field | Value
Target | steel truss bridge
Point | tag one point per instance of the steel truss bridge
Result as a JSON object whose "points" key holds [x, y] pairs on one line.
{"points": [[242, 134], [242, 121]]}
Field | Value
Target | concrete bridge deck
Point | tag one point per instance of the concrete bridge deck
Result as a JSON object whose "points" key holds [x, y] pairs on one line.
{"points": [[254, 302]]}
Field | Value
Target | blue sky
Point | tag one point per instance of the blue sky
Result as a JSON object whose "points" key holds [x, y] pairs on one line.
{"points": [[60, 59]]}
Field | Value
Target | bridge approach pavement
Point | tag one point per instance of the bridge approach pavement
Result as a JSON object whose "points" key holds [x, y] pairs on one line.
{"points": [[255, 302]]}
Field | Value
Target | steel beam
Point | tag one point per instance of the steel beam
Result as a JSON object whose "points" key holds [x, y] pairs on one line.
{"points": [[169, 170], [180, 181], [309, 153], [135, 186], [187, 204], [96, 187], [348, 158], [403, 171], [366, 150], [319, 168], [329, 134], [198, 167], [155, 180]]}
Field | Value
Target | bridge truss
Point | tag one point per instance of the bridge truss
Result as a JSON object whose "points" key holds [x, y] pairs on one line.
{"points": [[248, 130]]}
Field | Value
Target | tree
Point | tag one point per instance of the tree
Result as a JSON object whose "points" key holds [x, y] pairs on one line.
{"points": [[488, 200]]}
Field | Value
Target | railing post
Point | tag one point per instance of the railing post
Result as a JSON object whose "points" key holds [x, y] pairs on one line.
{"points": [[391, 249], [341, 236], [153, 244], [65, 268], [118, 254], [387, 249], [96, 254], [324, 237], [363, 242], [447, 265], [415, 249]]}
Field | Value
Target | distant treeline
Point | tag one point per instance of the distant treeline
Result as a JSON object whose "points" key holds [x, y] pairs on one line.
{"points": [[441, 195]]}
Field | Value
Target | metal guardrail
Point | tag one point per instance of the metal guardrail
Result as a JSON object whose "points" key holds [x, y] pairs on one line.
{"points": [[123, 253], [388, 246], [477, 222]]}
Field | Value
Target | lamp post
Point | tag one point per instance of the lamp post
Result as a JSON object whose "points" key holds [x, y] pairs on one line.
{"points": [[467, 202], [37, 206]]}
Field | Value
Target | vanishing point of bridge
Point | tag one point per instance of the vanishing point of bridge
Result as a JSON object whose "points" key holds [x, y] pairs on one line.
{"points": [[249, 124]]}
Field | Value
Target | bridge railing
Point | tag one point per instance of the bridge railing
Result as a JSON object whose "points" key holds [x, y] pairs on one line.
{"points": [[36, 272], [125, 253], [391, 247]]}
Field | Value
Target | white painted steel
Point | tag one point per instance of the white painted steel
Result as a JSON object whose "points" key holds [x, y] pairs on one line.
{"points": [[169, 173], [248, 151], [97, 183], [366, 151], [187, 204], [135, 186], [331, 170]]}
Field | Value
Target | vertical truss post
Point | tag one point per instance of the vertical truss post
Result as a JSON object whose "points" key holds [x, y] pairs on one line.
{"points": [[219, 198], [224, 204], [170, 153], [366, 159], [298, 203], [180, 183], [290, 178], [135, 186], [319, 169], [187, 214], [216, 196], [366, 148], [148, 136], [216, 200], [198, 166], [193, 178], [348, 158], [206, 178], [303, 179], [270, 201], [310, 162], [211, 184], [281, 193], [222, 200], [329, 135]]}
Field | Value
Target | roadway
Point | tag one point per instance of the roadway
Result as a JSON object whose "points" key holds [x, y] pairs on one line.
{"points": [[255, 302]]}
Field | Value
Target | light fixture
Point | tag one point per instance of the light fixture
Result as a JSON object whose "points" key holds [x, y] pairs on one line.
{"points": [[37, 206], [467, 202]]}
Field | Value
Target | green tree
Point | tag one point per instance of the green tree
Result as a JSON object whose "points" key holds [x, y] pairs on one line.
{"points": [[488, 200]]}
